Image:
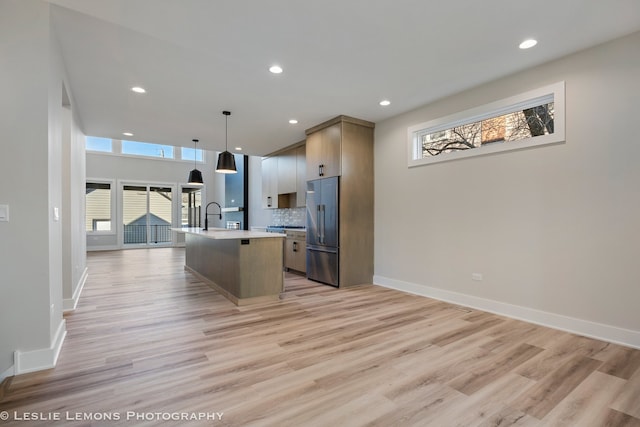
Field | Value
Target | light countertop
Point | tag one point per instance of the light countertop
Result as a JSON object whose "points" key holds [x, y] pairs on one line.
{"points": [[227, 234]]}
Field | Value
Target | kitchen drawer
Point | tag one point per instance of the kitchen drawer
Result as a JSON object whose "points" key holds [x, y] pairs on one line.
{"points": [[296, 234]]}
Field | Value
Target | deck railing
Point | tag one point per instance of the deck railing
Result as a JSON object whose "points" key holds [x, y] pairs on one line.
{"points": [[134, 233]]}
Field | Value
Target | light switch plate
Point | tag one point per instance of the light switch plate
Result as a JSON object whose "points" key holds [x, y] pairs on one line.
{"points": [[4, 213]]}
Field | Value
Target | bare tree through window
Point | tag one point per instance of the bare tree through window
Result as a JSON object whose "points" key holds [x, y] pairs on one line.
{"points": [[514, 126]]}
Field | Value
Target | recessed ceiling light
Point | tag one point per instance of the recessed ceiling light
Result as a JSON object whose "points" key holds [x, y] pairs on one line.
{"points": [[385, 102], [127, 133], [275, 69], [238, 148], [528, 43], [138, 89], [293, 121]]}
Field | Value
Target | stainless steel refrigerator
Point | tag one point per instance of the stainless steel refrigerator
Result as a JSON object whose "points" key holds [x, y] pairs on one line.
{"points": [[322, 230]]}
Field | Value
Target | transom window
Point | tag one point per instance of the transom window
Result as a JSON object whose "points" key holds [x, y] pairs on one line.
{"points": [[191, 154], [99, 144], [147, 149], [143, 149], [532, 118]]}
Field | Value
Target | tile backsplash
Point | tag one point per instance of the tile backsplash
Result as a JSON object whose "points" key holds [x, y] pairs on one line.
{"points": [[293, 216]]}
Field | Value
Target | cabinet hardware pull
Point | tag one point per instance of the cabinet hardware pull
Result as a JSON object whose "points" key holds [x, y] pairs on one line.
{"points": [[269, 201]]}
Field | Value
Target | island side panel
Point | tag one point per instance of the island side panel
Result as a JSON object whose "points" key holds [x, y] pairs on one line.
{"points": [[244, 273], [215, 260], [261, 267]]}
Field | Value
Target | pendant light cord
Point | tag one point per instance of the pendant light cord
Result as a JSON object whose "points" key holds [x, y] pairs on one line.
{"points": [[226, 129], [195, 153]]}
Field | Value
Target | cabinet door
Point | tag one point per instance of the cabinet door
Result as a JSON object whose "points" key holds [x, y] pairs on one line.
{"points": [[324, 152], [313, 155], [301, 176], [288, 253], [295, 257], [270, 183], [287, 163], [331, 151], [300, 256]]}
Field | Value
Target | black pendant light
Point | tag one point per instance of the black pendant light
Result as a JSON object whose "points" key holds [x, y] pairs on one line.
{"points": [[226, 161], [195, 176]]}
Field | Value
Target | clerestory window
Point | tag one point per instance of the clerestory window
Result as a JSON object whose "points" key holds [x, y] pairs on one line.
{"points": [[525, 120]]}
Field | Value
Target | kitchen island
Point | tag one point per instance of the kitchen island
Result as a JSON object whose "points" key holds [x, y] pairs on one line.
{"points": [[244, 266]]}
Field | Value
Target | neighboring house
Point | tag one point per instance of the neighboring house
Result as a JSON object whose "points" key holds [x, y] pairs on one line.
{"points": [[134, 213], [98, 208], [159, 230], [134, 205]]}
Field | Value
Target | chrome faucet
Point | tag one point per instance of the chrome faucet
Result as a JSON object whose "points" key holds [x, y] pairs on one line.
{"points": [[206, 214]]}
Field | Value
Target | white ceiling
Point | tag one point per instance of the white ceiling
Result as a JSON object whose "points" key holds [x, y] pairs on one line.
{"points": [[198, 57]]}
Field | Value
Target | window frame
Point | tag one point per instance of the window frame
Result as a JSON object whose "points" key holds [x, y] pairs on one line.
{"points": [[551, 93], [181, 188], [121, 183]]}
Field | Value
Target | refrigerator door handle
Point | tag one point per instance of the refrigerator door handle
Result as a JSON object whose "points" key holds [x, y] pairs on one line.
{"points": [[322, 209], [318, 217], [321, 249]]}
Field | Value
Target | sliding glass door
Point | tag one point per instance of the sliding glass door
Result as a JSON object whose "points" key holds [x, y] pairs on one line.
{"points": [[147, 214], [160, 215]]}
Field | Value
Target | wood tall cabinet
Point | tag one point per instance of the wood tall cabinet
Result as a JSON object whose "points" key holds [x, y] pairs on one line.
{"points": [[343, 147]]}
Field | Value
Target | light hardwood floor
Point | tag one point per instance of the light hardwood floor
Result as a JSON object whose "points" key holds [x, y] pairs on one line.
{"points": [[147, 337]]}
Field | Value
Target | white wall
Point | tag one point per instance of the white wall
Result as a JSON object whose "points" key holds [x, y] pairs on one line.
{"points": [[553, 230], [31, 268], [54, 180], [258, 217], [149, 170], [113, 167], [73, 189]]}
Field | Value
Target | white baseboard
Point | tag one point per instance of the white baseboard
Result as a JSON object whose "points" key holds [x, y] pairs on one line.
{"points": [[614, 334], [46, 358], [103, 248], [69, 304]]}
